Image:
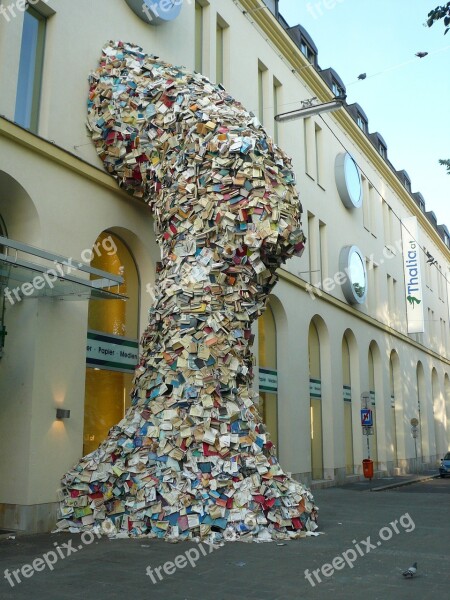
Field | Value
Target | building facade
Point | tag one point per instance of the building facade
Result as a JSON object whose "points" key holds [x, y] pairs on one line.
{"points": [[344, 329]]}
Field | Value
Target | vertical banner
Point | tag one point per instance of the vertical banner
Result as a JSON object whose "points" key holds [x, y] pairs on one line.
{"points": [[413, 278]]}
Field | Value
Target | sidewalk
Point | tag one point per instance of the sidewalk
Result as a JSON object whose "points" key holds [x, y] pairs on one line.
{"points": [[384, 483]]}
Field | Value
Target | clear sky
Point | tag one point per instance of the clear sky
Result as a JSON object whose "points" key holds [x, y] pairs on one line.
{"points": [[406, 99]]}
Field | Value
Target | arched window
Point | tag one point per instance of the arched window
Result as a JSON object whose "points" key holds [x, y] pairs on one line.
{"points": [[315, 403], [107, 392], [347, 394]]}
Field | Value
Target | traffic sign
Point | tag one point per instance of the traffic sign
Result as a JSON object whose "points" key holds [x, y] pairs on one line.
{"points": [[366, 417]]}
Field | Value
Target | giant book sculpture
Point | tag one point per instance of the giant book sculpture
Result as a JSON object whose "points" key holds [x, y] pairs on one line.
{"points": [[192, 457]]}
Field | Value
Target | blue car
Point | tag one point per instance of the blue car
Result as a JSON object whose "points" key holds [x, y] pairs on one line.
{"points": [[444, 469]]}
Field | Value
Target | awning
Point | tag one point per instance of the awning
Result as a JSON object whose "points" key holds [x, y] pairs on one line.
{"points": [[54, 276]]}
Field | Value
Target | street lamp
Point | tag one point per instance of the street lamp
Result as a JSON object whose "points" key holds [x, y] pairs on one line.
{"points": [[309, 108]]}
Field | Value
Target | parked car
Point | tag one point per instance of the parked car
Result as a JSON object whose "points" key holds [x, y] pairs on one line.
{"points": [[444, 469]]}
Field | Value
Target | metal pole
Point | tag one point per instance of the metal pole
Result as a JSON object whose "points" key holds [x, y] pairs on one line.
{"points": [[415, 448]]}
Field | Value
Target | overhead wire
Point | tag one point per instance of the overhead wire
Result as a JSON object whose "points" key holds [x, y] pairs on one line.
{"points": [[399, 65]]}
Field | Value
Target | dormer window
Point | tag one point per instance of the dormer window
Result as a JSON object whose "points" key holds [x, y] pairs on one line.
{"points": [[446, 240], [382, 150], [304, 42], [337, 89], [362, 123], [406, 181], [307, 51]]}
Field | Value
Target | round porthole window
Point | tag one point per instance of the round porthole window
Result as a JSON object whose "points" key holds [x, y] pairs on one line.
{"points": [[352, 263], [348, 181], [156, 12]]}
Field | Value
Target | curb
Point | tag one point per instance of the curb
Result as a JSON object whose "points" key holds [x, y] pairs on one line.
{"points": [[403, 483]]}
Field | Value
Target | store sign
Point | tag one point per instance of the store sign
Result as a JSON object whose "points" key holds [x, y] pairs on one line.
{"points": [[413, 279], [156, 12], [315, 388], [111, 352], [268, 380]]}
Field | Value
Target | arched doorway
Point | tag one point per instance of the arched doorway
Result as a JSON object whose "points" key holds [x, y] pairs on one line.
{"points": [[107, 392], [439, 413], [373, 439], [18, 211], [267, 349], [3, 285], [347, 396], [393, 384], [447, 404], [315, 403], [421, 413]]}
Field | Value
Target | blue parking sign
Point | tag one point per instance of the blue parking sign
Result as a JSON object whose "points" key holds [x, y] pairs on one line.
{"points": [[366, 417]]}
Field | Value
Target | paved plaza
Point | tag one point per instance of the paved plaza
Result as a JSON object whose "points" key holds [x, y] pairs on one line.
{"points": [[368, 539]]}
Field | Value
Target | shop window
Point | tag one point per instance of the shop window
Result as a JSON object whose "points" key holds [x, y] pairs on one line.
{"points": [[267, 348], [107, 392]]}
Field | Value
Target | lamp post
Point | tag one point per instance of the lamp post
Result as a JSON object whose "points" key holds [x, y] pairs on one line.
{"points": [[309, 108]]}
